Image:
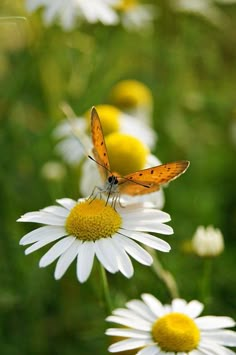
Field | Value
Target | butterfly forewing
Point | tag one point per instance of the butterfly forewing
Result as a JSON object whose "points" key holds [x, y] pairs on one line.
{"points": [[99, 145], [150, 180]]}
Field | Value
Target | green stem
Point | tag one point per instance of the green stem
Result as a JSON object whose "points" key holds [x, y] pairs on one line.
{"points": [[205, 292], [106, 290], [164, 275]]}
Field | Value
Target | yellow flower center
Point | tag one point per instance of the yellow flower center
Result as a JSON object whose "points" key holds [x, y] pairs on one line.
{"points": [[126, 153], [125, 5], [109, 117], [92, 220], [176, 332], [131, 93]]}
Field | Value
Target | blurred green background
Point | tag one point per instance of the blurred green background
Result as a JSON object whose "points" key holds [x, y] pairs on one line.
{"points": [[190, 66]]}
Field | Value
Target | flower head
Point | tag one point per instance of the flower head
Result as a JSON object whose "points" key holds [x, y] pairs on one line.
{"points": [[69, 11], [133, 97], [135, 15], [208, 242], [112, 119], [170, 329], [84, 229]]}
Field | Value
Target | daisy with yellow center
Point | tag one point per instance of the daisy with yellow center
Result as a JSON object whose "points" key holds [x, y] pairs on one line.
{"points": [[127, 154], [175, 329], [135, 15], [84, 229], [74, 134], [134, 98]]}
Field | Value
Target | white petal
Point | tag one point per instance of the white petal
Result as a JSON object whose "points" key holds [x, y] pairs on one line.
{"points": [[41, 243], [197, 352], [212, 322], [56, 250], [41, 233], [105, 254], [66, 259], [194, 308], [146, 214], [222, 337], [56, 210], [178, 305], [131, 323], [150, 350], [154, 304], [42, 217], [68, 203], [149, 240], [128, 313], [148, 227], [128, 333], [142, 309], [128, 345], [123, 260], [132, 248], [211, 348], [85, 261]]}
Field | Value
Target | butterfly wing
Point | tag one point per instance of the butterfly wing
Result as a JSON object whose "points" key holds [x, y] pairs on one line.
{"points": [[149, 180], [99, 145]]}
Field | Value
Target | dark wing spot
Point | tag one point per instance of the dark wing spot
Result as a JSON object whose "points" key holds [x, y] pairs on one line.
{"points": [[152, 171], [101, 143], [140, 174], [104, 154]]}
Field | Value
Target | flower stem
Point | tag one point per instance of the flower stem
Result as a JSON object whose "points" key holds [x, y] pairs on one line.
{"points": [[106, 290], [205, 292], [164, 275]]}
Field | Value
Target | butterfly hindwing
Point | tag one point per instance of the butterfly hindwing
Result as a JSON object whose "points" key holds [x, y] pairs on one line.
{"points": [[149, 180]]}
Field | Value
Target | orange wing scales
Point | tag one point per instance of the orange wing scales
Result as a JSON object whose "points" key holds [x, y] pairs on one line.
{"points": [[99, 145], [149, 180]]}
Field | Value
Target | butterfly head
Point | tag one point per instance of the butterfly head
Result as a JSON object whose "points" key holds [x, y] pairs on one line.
{"points": [[111, 184]]}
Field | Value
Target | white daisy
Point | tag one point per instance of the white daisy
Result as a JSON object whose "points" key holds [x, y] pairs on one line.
{"points": [[176, 329], [69, 11], [208, 242], [204, 8], [126, 155], [73, 134], [135, 15], [135, 98], [85, 228]]}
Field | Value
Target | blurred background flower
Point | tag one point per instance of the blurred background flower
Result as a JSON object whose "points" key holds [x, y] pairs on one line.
{"points": [[208, 242], [74, 132], [135, 98], [68, 12]]}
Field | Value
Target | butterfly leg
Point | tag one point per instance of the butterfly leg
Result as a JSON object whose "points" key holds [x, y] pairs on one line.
{"points": [[94, 194]]}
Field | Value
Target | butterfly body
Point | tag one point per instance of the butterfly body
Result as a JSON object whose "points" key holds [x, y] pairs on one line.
{"points": [[138, 183]]}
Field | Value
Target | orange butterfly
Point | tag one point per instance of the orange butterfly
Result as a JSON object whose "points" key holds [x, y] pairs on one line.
{"points": [[138, 183]]}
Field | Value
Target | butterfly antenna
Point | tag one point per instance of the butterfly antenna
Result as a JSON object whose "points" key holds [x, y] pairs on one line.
{"points": [[134, 182], [89, 156], [81, 138]]}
